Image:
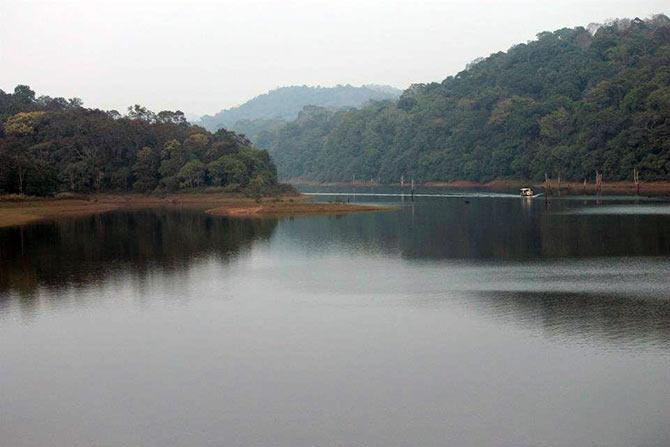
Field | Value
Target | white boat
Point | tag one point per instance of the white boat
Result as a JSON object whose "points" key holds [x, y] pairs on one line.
{"points": [[527, 192]]}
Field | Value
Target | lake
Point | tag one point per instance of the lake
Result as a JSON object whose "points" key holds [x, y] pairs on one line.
{"points": [[461, 319]]}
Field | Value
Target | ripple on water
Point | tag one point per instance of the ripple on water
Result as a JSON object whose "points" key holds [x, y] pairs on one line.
{"points": [[623, 210]]}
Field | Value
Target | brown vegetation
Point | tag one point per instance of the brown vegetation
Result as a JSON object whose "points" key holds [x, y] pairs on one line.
{"points": [[18, 211], [649, 188], [286, 208]]}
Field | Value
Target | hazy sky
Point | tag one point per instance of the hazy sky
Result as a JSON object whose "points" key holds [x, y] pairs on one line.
{"points": [[202, 56]]}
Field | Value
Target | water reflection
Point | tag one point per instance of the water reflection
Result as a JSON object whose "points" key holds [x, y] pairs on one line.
{"points": [[611, 320], [522, 252], [491, 229], [78, 252], [472, 318], [622, 210]]}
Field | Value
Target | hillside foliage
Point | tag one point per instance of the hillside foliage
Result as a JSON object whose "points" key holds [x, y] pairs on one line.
{"points": [[567, 104], [50, 145]]}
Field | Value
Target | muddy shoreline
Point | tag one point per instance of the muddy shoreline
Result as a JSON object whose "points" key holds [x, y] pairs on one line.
{"points": [[19, 211]]}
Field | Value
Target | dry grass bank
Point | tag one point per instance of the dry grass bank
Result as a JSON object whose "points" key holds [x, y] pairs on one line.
{"points": [[279, 209], [19, 211]]}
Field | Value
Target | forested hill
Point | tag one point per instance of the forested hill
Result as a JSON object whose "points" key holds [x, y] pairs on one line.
{"points": [[50, 145], [284, 104], [569, 103]]}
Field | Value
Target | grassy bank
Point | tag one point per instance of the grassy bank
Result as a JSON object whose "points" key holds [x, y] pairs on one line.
{"points": [[19, 210]]}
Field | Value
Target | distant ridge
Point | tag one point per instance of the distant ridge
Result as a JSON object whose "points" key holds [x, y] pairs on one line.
{"points": [[285, 103]]}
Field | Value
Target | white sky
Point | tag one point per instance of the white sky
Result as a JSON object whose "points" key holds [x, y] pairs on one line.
{"points": [[202, 56]]}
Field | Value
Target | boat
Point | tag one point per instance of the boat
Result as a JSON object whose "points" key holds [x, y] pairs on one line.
{"points": [[527, 192]]}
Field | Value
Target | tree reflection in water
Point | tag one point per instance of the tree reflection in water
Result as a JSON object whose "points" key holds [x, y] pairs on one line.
{"points": [[77, 252]]}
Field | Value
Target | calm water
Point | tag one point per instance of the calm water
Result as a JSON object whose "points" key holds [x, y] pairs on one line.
{"points": [[461, 321]]}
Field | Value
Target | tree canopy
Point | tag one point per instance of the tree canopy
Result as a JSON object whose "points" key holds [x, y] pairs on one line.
{"points": [[569, 103], [49, 145]]}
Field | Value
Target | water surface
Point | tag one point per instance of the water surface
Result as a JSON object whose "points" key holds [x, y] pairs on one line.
{"points": [[465, 320]]}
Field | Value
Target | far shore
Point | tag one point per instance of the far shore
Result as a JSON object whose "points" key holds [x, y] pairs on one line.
{"points": [[656, 188], [16, 210], [19, 211], [660, 188]]}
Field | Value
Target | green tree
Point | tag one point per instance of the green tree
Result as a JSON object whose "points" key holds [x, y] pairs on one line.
{"points": [[192, 174], [228, 170], [172, 159], [569, 102], [52, 144], [23, 123], [145, 170]]}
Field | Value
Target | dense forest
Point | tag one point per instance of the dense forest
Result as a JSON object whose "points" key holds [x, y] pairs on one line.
{"points": [[50, 145], [569, 103], [273, 109]]}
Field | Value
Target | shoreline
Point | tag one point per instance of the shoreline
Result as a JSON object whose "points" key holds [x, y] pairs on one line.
{"points": [[656, 188], [15, 212], [659, 188]]}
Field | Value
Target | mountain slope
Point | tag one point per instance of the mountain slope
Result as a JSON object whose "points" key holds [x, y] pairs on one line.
{"points": [[567, 104], [286, 102]]}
